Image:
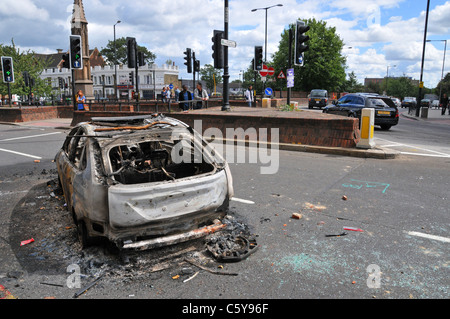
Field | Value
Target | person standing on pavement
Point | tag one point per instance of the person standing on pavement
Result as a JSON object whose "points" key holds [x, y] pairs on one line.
{"points": [[200, 95], [185, 95], [81, 99], [444, 104], [250, 96]]}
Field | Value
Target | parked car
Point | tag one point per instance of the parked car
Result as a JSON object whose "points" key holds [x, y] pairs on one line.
{"points": [[386, 113], [396, 101], [318, 98], [409, 102], [123, 179]]}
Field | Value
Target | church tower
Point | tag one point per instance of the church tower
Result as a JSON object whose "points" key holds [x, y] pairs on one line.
{"points": [[82, 77]]}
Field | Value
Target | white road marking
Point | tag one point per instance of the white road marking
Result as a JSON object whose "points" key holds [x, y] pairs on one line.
{"points": [[245, 201], [31, 136], [396, 144], [443, 239], [18, 153]]}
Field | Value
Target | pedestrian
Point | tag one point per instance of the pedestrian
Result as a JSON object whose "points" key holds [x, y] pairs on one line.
{"points": [[163, 94], [177, 94], [168, 95], [444, 103], [185, 95], [81, 99], [200, 95], [250, 96]]}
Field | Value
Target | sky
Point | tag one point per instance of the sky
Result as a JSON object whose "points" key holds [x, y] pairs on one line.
{"points": [[381, 36]]}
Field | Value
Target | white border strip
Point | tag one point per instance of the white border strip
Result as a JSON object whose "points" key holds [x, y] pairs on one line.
{"points": [[18, 153], [443, 239], [24, 137], [245, 201]]}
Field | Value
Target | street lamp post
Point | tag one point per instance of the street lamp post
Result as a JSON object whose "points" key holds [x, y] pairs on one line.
{"points": [[387, 77], [267, 8], [443, 65], [115, 60]]}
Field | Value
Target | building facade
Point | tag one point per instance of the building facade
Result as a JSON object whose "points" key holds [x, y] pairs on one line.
{"points": [[152, 79]]}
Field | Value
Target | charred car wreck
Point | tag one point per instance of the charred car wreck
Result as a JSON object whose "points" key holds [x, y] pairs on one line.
{"points": [[142, 182]]}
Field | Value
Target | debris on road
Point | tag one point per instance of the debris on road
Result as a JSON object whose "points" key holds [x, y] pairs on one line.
{"points": [[353, 229], [338, 235], [83, 290], [344, 197], [297, 216], [26, 242]]}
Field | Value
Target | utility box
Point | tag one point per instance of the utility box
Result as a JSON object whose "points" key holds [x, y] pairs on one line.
{"points": [[367, 127], [424, 112]]}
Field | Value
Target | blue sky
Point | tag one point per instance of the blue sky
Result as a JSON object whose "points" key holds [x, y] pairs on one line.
{"points": [[377, 33]]}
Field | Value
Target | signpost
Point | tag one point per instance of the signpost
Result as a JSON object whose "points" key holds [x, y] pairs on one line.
{"points": [[290, 78], [268, 91], [228, 43]]}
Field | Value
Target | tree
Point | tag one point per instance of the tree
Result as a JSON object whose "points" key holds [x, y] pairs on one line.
{"points": [[121, 45], [324, 65], [211, 76], [444, 84], [352, 85], [25, 62]]}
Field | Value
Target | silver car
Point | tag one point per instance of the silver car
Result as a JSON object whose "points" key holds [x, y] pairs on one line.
{"points": [[142, 182]]}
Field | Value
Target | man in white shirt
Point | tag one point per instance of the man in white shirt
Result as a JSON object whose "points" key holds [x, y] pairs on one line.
{"points": [[250, 96]]}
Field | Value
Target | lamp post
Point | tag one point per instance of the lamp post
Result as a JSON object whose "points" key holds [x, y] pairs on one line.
{"points": [[267, 8], [443, 65], [115, 60]]}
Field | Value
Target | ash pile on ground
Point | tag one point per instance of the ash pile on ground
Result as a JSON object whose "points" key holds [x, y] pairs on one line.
{"points": [[42, 215]]}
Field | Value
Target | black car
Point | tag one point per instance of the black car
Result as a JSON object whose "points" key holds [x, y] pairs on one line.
{"points": [[409, 102], [386, 113], [318, 98]]}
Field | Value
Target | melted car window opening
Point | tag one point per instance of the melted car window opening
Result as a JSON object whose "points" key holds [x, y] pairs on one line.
{"points": [[151, 161]]}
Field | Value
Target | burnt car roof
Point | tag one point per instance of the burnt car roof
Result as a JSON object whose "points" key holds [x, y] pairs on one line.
{"points": [[99, 126]]}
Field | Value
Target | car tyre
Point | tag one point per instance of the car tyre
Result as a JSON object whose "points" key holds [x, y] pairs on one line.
{"points": [[83, 236], [385, 127]]}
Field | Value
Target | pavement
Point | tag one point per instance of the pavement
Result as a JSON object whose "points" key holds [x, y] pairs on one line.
{"points": [[378, 152], [434, 115]]}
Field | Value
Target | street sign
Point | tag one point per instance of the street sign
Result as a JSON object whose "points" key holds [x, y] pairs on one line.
{"points": [[281, 75], [171, 86], [271, 71], [268, 91], [228, 43], [290, 78], [265, 71]]}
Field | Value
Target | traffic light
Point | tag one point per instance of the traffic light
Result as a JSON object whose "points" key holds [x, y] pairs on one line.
{"points": [[300, 39], [131, 52], [197, 66], [131, 78], [66, 61], [76, 55], [141, 58], [8, 69], [258, 61], [218, 52], [26, 78], [188, 58]]}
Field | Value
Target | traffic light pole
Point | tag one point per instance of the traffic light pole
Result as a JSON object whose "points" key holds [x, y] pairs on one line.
{"points": [[74, 95], [289, 64], [226, 75], [9, 94]]}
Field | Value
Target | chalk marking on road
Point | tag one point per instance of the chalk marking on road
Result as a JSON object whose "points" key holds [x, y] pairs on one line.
{"points": [[31, 136], [439, 238], [245, 201], [18, 153]]}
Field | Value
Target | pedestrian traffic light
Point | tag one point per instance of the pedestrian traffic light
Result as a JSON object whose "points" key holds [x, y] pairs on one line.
{"points": [[188, 58], [76, 55], [8, 69], [258, 61], [218, 50], [131, 52], [66, 61], [300, 42]]}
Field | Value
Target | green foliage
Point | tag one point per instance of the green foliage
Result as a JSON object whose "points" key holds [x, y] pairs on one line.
{"points": [[209, 74], [121, 45], [324, 65], [25, 62]]}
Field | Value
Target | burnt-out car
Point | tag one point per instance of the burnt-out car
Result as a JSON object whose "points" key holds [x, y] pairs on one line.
{"points": [[142, 182]]}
